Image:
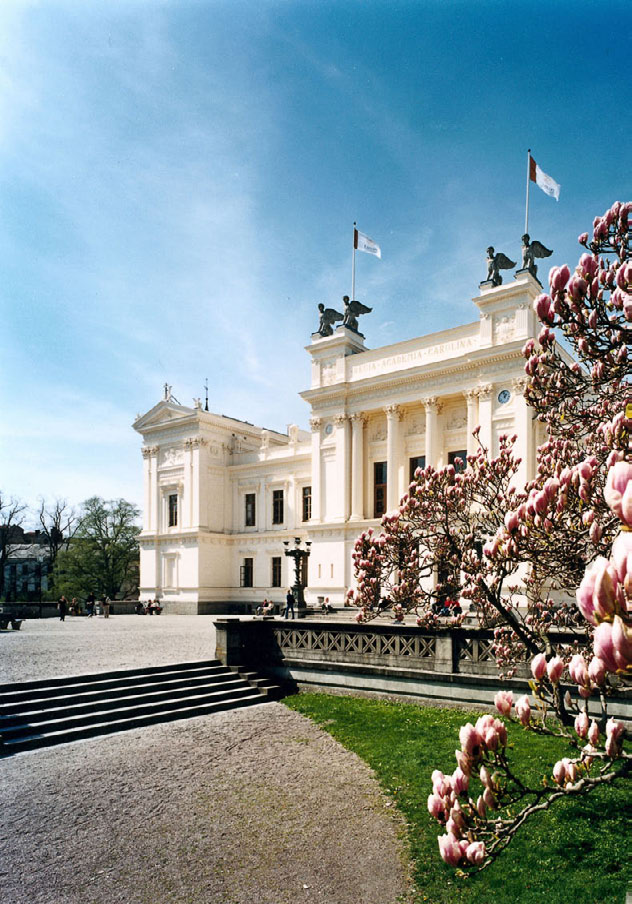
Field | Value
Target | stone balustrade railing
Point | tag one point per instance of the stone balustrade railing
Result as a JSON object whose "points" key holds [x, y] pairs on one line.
{"points": [[458, 651]]}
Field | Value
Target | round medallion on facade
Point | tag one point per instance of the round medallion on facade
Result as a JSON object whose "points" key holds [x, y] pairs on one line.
{"points": [[328, 429], [503, 396]]}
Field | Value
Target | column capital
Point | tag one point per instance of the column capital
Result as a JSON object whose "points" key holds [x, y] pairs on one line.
{"points": [[315, 424], [432, 403], [519, 385], [340, 420], [485, 391], [393, 411], [198, 441], [471, 394], [146, 451], [358, 417]]}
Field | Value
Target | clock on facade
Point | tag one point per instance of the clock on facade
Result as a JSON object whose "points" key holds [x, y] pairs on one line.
{"points": [[503, 396], [328, 429]]}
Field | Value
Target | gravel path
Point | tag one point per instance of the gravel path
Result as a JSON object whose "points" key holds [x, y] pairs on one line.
{"points": [[252, 806]]}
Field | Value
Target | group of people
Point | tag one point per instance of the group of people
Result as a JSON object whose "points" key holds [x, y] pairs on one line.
{"points": [[75, 606], [153, 607]]}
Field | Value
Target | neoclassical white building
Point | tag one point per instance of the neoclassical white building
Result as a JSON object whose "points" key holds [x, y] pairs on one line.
{"points": [[221, 495]]}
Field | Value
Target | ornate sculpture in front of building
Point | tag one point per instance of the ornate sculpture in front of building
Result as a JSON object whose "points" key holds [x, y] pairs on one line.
{"points": [[496, 262], [531, 250], [328, 316], [353, 309]]}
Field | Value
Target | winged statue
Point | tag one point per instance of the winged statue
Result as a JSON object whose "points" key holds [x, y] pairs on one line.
{"points": [[328, 316], [495, 262], [353, 309], [531, 250]]}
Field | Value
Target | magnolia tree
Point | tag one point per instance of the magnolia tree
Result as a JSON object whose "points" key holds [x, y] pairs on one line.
{"points": [[509, 552]]}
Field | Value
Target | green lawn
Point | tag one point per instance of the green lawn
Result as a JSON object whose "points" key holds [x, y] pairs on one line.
{"points": [[577, 853]]}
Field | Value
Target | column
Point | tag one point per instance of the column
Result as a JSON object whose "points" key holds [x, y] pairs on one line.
{"points": [[393, 415], [155, 491], [358, 421], [261, 511], [342, 466], [471, 397], [525, 429], [432, 430], [199, 509], [485, 406], [289, 501], [315, 424], [187, 492], [146, 488]]}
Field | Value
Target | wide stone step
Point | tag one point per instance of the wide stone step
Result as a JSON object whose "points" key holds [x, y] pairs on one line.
{"points": [[71, 719], [77, 708], [94, 697], [106, 680], [35, 740], [42, 713]]}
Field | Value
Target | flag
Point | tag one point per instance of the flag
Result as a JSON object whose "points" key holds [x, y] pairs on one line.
{"points": [[364, 243], [549, 186]]}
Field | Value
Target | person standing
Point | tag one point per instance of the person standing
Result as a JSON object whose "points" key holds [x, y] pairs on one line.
{"points": [[90, 601], [289, 604], [62, 605], [106, 607]]}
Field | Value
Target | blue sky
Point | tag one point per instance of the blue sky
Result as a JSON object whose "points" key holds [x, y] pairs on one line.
{"points": [[179, 180]]}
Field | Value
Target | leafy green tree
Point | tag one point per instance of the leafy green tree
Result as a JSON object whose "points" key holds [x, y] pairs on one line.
{"points": [[103, 556]]}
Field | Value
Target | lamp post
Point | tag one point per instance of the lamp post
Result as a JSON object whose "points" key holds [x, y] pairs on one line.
{"points": [[299, 555]]}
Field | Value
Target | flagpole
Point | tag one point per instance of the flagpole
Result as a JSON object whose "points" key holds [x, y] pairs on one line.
{"points": [[526, 215], [353, 263]]}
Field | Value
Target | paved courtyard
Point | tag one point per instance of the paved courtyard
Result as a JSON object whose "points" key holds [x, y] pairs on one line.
{"points": [[253, 806]]}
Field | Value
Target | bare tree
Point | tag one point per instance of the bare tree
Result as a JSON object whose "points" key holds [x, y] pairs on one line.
{"points": [[11, 517], [59, 522]]}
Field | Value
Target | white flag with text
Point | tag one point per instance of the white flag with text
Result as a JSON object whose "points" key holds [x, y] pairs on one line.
{"points": [[362, 242]]}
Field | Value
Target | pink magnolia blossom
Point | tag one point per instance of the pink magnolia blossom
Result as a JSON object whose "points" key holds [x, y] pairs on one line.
{"points": [[475, 852], [481, 807], [593, 733], [470, 741], [618, 491], [554, 669], [578, 670], [450, 849], [559, 772], [463, 761], [503, 702], [596, 593], [460, 781], [523, 710], [490, 800], [538, 666], [597, 671], [581, 724], [621, 560], [436, 806]]}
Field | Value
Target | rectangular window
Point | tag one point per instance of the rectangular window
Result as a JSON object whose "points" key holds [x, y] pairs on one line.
{"points": [[250, 509], [245, 573], [277, 506], [379, 488], [276, 571], [173, 509], [418, 461], [462, 455], [307, 503]]}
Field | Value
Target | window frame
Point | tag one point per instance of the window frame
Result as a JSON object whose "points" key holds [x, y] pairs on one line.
{"points": [[250, 509], [380, 490], [278, 513]]}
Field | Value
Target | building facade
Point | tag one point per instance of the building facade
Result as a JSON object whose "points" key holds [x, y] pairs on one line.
{"points": [[221, 496]]}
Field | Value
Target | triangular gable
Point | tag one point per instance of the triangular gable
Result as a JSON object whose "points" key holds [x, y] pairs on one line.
{"points": [[162, 413]]}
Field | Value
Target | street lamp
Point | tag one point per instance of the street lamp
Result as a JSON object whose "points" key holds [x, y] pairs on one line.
{"points": [[300, 556]]}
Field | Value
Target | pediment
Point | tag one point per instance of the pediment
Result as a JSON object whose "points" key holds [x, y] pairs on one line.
{"points": [[163, 413]]}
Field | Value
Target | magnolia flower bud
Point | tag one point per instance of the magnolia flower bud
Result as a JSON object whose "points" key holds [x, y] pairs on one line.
{"points": [[538, 666], [593, 733], [475, 852], [559, 772], [554, 669], [503, 702], [581, 724], [523, 710], [618, 491], [597, 671]]}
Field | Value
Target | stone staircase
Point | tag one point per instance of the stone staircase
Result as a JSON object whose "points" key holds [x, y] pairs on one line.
{"points": [[56, 711]]}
